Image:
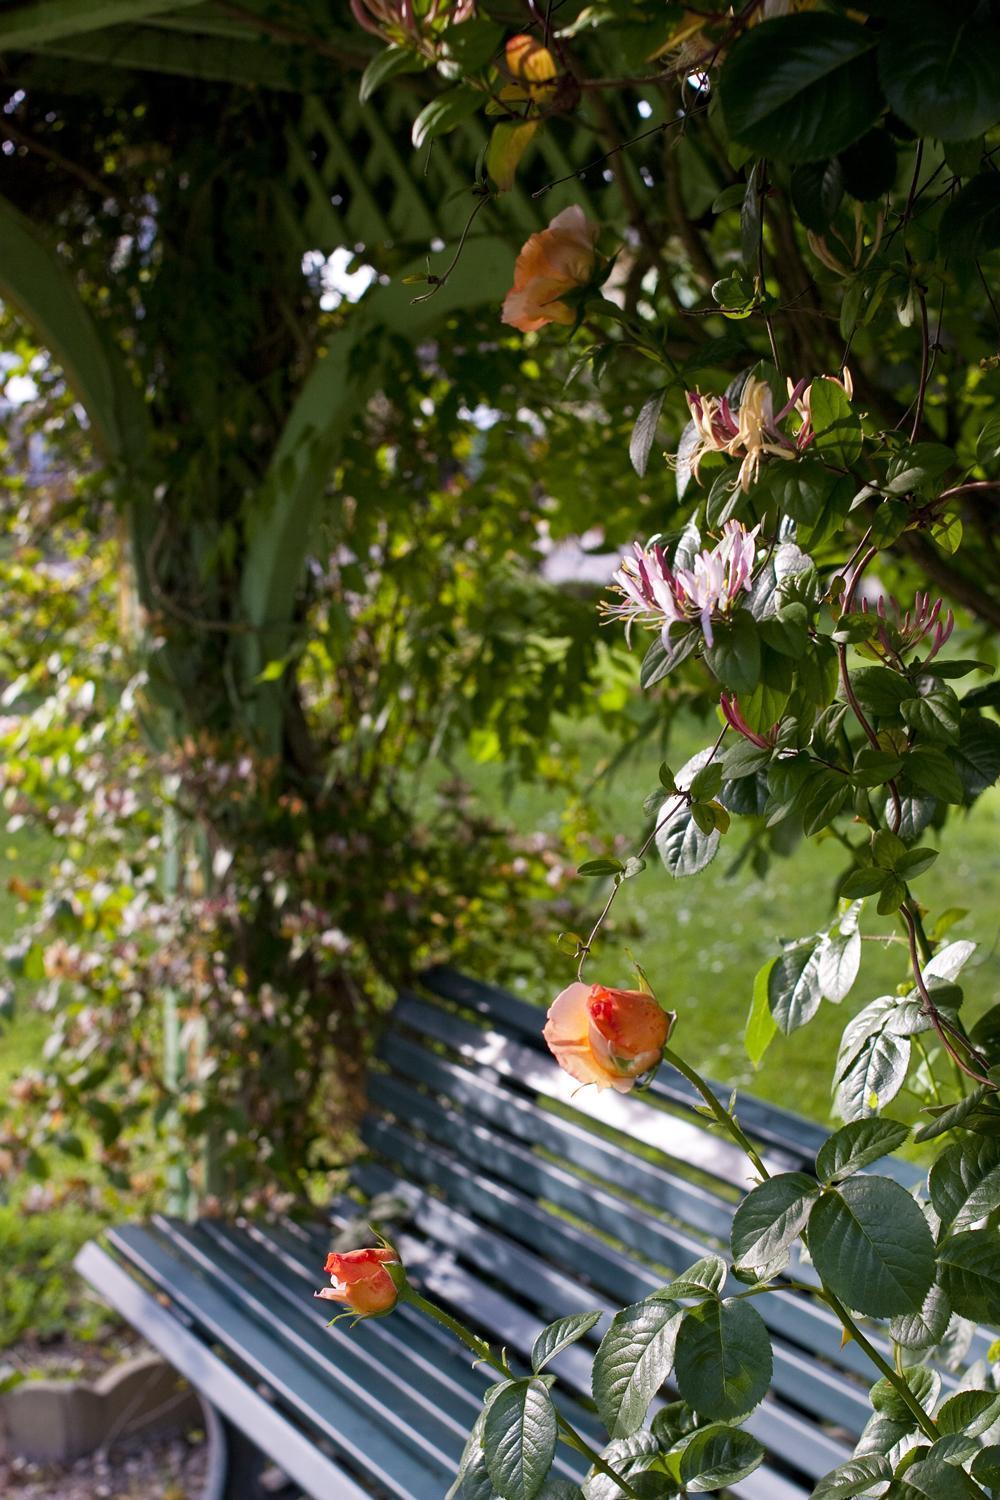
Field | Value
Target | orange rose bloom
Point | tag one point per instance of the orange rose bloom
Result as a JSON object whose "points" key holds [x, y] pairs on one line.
{"points": [[553, 262], [360, 1281], [607, 1037]]}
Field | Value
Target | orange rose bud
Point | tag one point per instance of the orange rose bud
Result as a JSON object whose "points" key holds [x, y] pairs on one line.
{"points": [[553, 262], [360, 1281], [607, 1037]]}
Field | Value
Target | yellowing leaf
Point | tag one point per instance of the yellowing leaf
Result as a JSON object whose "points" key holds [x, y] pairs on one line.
{"points": [[529, 61], [508, 144]]}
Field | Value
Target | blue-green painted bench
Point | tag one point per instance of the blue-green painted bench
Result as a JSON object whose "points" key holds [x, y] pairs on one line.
{"points": [[526, 1200]]}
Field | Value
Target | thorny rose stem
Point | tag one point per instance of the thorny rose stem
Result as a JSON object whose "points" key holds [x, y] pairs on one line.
{"points": [[484, 1353]]}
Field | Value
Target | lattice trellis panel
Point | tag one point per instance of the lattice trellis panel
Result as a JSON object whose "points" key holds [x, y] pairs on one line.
{"points": [[353, 176]]}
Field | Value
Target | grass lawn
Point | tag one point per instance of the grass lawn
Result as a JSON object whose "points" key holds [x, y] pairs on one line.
{"points": [[705, 938]]}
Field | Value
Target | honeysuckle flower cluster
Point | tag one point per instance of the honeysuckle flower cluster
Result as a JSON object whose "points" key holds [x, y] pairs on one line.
{"points": [[409, 22], [655, 595], [752, 429], [899, 631], [748, 431]]}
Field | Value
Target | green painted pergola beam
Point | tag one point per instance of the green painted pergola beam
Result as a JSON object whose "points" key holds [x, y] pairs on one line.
{"points": [[41, 21], [210, 59]]}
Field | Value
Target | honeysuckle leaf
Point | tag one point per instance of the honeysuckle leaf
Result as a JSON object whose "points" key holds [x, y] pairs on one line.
{"points": [[937, 70], [802, 87], [644, 432]]}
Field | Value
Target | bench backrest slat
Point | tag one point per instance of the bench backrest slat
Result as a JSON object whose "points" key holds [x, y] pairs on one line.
{"points": [[798, 1376], [485, 1097], [769, 1123], [528, 1069]]}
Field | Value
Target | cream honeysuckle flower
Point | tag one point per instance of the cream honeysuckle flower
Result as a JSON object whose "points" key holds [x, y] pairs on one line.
{"points": [[748, 432]]}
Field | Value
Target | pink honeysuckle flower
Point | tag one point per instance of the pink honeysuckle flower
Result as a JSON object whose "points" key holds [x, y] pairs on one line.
{"points": [[899, 632], [656, 596], [406, 22], [800, 399]]}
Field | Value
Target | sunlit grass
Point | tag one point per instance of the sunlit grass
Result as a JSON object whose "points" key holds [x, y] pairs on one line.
{"points": [[704, 939]]}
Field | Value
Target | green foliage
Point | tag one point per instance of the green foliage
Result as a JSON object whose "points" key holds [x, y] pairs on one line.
{"points": [[797, 303], [802, 88], [871, 1245], [41, 1297], [634, 1359], [723, 1363], [770, 1219], [856, 1146], [559, 1335], [519, 1438]]}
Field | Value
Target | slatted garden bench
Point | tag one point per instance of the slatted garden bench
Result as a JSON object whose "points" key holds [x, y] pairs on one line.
{"points": [[525, 1199]]}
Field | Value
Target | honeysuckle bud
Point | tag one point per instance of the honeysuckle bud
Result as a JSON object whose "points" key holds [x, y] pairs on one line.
{"points": [[606, 1037], [899, 631], [733, 716], [364, 1282], [552, 263]]}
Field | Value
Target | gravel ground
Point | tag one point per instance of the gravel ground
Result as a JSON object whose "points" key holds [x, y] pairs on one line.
{"points": [[170, 1469], [139, 1468]]}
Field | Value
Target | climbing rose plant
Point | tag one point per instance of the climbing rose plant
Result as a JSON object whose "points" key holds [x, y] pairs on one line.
{"points": [[822, 334]]}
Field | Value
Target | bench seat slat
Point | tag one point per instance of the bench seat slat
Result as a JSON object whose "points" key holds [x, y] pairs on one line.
{"points": [[806, 1323], [444, 1375], [294, 1315], [528, 1198], [442, 1276], [405, 1469], [319, 1476], [797, 1376]]}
